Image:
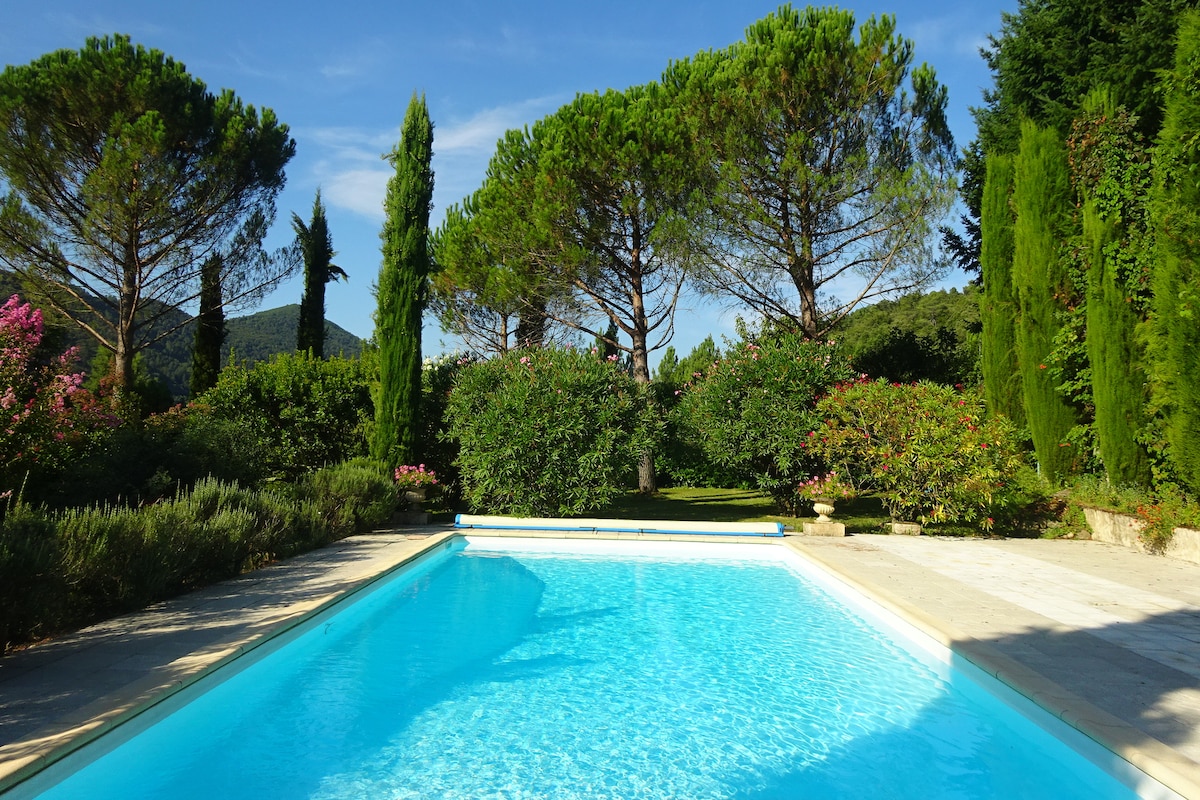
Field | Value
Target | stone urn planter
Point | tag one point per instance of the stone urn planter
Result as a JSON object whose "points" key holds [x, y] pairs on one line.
{"points": [[824, 510], [416, 495]]}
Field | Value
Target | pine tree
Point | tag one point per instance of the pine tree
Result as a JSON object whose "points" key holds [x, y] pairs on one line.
{"points": [[1042, 201], [1175, 310], [316, 248], [1001, 371], [401, 291]]}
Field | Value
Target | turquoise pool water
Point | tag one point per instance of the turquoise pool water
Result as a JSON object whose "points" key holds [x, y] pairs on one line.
{"points": [[512, 673]]}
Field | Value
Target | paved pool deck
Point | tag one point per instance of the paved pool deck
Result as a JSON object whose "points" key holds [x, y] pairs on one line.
{"points": [[1105, 638]]}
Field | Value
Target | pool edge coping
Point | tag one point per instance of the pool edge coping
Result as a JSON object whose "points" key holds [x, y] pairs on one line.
{"points": [[22, 759]]}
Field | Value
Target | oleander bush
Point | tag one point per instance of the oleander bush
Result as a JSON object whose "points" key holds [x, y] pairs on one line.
{"points": [[750, 411], [551, 432], [930, 452], [47, 418]]}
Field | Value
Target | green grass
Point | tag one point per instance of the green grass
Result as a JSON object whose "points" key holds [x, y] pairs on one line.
{"points": [[861, 515]]}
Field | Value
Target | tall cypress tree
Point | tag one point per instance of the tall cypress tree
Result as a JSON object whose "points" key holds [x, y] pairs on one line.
{"points": [[1175, 309], [401, 291], [997, 305], [1043, 204], [1111, 172], [316, 248], [210, 328]]}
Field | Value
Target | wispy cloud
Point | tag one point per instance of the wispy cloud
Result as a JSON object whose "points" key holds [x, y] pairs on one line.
{"points": [[350, 165], [954, 34], [363, 60], [509, 43], [482, 130]]}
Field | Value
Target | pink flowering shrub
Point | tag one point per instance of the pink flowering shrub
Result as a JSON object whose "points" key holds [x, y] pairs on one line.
{"points": [[44, 409], [929, 451]]}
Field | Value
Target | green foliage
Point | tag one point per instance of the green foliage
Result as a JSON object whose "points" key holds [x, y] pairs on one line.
{"points": [[675, 373], [492, 288], [141, 464], [1041, 283], [998, 301], [680, 460], [546, 432], [1111, 171], [31, 586], [440, 451], [932, 337], [809, 114], [402, 290], [929, 451], [1175, 310], [316, 248], [1052, 53], [122, 172], [71, 568], [353, 496], [301, 412], [753, 406]]}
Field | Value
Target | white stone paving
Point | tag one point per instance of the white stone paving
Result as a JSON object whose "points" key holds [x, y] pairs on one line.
{"points": [[1073, 598]]}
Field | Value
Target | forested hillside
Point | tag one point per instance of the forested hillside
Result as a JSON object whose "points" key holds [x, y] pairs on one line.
{"points": [[255, 337]]}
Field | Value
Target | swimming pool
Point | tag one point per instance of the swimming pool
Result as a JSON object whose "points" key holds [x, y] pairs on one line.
{"points": [[513, 668]]}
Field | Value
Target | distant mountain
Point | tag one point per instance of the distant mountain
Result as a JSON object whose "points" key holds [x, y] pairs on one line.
{"points": [[259, 336], [252, 338]]}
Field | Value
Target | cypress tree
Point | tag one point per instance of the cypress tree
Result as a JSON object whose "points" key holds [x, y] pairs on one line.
{"points": [[1175, 307], [316, 248], [997, 307], [1110, 168], [401, 291], [1114, 355], [1043, 204], [210, 329]]}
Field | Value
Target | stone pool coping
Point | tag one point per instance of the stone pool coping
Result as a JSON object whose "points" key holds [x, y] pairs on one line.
{"points": [[273, 601]]}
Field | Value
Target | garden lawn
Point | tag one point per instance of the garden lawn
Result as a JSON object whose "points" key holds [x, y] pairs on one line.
{"points": [[861, 515]]}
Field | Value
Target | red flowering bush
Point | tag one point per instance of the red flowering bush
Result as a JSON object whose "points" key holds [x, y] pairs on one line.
{"points": [[44, 409], [928, 450]]}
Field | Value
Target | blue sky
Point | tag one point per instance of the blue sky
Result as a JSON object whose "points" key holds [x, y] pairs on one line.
{"points": [[340, 74]]}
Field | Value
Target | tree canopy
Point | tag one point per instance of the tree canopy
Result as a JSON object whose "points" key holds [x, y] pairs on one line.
{"points": [[828, 174], [123, 175]]}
